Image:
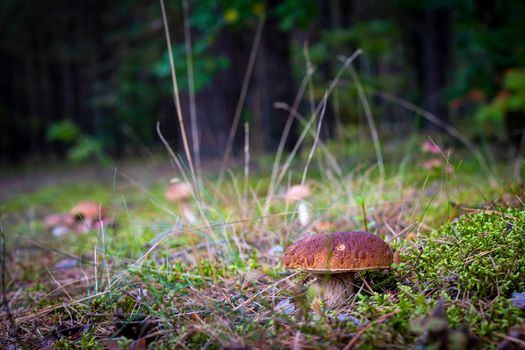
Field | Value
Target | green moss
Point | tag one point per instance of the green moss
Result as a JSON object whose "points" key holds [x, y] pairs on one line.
{"points": [[480, 255], [471, 265]]}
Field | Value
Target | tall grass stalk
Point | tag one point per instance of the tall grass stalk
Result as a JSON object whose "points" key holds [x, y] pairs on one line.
{"points": [[371, 125], [274, 181], [242, 98], [191, 88], [443, 125], [176, 98]]}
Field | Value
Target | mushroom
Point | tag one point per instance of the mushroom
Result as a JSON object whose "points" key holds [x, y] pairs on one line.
{"points": [[180, 192], [298, 193], [428, 146], [59, 224], [54, 220], [88, 210], [88, 215], [335, 258]]}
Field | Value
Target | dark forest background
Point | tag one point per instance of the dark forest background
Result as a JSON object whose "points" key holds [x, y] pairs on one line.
{"points": [[90, 79]]}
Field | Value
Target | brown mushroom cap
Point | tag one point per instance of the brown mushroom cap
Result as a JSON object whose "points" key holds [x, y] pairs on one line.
{"points": [[88, 210], [178, 191], [338, 252]]}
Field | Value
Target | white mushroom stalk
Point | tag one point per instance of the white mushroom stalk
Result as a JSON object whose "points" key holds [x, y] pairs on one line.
{"points": [[304, 214], [298, 193], [59, 224], [187, 212], [181, 192]]}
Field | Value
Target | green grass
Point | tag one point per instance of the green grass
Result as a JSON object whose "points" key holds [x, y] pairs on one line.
{"points": [[217, 283]]}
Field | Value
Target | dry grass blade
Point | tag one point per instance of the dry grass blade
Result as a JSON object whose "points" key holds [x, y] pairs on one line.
{"points": [[191, 88], [242, 97], [331, 158], [275, 181], [371, 125], [176, 98], [316, 140], [284, 136], [264, 290], [356, 337], [435, 120]]}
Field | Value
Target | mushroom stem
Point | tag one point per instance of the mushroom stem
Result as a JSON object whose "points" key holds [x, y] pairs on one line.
{"points": [[188, 213], [304, 216], [336, 288]]}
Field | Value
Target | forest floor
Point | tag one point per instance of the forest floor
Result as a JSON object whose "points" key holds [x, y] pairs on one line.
{"points": [[156, 280]]}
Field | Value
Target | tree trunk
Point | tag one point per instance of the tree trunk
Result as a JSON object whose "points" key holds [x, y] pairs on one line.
{"points": [[436, 48], [274, 83], [215, 104]]}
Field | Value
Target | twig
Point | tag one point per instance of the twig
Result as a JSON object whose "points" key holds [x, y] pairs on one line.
{"points": [[365, 283], [60, 287], [355, 339], [512, 339]]}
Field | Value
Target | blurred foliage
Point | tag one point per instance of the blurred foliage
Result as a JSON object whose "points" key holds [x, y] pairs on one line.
{"points": [[120, 51], [81, 147], [88, 147], [488, 35], [205, 66], [63, 131], [511, 98], [296, 14], [378, 39]]}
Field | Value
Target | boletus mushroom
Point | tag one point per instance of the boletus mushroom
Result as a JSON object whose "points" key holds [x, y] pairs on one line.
{"points": [[181, 192], [88, 215], [335, 258], [88, 210]]}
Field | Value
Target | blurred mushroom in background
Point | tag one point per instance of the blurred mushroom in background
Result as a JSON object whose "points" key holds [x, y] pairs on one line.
{"points": [[297, 194], [59, 224], [428, 146], [180, 192], [90, 215], [83, 217]]}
